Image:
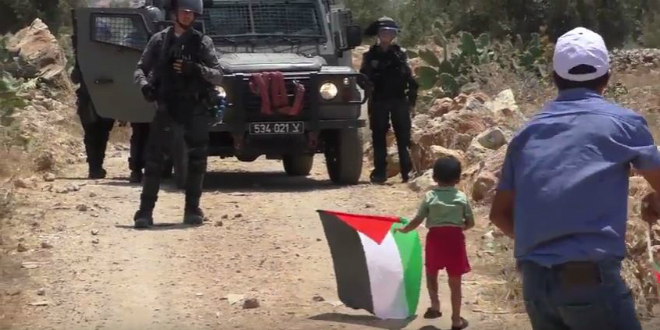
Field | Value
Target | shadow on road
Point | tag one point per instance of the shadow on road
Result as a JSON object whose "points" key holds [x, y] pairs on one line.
{"points": [[365, 320], [263, 182], [160, 227]]}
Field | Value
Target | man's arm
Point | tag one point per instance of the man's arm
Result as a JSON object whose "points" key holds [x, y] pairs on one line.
{"points": [[210, 67], [147, 61], [501, 211], [646, 159]]}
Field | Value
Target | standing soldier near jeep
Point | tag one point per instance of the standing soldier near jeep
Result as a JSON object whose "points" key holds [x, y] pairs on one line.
{"points": [[394, 94], [185, 67], [96, 129]]}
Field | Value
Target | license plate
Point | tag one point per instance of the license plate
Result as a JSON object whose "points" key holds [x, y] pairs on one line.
{"points": [[294, 127]]}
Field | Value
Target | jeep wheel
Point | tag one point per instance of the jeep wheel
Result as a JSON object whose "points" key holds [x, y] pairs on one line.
{"points": [[298, 165], [343, 156]]}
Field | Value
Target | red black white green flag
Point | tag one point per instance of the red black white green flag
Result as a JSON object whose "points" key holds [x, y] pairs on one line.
{"points": [[377, 269]]}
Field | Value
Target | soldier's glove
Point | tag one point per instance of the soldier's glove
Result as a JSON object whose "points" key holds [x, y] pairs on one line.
{"points": [[149, 93], [188, 68]]}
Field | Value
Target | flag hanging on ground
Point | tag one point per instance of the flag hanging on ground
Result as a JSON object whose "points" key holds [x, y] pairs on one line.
{"points": [[377, 269]]}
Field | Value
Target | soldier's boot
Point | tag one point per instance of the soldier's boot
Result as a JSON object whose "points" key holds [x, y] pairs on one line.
{"points": [[143, 218], [378, 177], [97, 172], [136, 176], [193, 216]]}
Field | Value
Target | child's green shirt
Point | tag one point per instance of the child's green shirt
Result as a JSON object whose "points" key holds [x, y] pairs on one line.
{"points": [[445, 206]]}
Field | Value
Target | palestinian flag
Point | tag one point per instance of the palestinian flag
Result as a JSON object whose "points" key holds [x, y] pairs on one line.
{"points": [[377, 269]]}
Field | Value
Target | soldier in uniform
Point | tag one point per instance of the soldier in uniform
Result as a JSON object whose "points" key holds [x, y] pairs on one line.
{"points": [[185, 68], [96, 128], [394, 93], [140, 131]]}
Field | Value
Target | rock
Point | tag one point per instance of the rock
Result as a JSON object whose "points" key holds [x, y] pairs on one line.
{"points": [[423, 183], [72, 187], [95, 241], [45, 161], [318, 298], [82, 208], [234, 298], [506, 110], [218, 223], [41, 292], [492, 139], [369, 206], [62, 190], [21, 183], [40, 303], [30, 265], [251, 303], [238, 216], [46, 245], [483, 186], [393, 163], [95, 232], [21, 248], [92, 195], [441, 107], [225, 217], [49, 177], [13, 292], [40, 55]]}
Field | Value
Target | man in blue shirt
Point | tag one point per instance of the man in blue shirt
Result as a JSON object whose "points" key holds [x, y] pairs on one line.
{"points": [[563, 195]]}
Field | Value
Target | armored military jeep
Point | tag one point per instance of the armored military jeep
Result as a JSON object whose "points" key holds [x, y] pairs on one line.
{"points": [[288, 81]]}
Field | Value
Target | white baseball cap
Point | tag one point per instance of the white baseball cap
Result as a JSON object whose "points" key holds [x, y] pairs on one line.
{"points": [[581, 46]]}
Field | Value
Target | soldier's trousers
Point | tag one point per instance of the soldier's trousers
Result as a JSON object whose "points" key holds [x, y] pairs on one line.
{"points": [[196, 135], [139, 139], [96, 132], [399, 111]]}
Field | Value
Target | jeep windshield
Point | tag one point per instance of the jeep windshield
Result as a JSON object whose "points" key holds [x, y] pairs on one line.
{"points": [[260, 23]]}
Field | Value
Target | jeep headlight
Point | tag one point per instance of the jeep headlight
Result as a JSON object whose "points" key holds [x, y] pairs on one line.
{"points": [[221, 91], [328, 91]]}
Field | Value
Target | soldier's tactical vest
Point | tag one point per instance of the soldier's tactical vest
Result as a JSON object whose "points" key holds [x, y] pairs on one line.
{"points": [[389, 72], [177, 87]]}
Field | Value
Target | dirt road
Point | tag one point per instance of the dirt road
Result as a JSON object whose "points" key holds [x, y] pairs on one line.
{"points": [[92, 270]]}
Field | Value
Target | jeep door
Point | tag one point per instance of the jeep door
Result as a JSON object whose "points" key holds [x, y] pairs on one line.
{"points": [[109, 43]]}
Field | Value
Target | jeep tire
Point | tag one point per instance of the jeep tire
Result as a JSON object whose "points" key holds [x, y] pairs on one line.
{"points": [[344, 156], [299, 165]]}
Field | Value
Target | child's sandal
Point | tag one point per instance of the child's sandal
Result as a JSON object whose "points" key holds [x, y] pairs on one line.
{"points": [[432, 314]]}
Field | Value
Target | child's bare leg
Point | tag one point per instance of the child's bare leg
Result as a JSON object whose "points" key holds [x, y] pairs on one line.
{"points": [[432, 285], [455, 289]]}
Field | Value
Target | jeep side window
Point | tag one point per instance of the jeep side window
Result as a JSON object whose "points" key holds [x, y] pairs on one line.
{"points": [[125, 30]]}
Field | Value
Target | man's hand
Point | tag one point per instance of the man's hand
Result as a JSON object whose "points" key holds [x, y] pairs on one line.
{"points": [[188, 68], [149, 92], [651, 207]]}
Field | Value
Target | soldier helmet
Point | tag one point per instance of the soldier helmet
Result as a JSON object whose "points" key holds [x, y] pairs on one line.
{"points": [[383, 23], [195, 6], [155, 14]]}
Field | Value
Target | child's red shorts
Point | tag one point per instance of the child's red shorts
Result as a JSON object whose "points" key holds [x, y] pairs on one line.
{"points": [[445, 249]]}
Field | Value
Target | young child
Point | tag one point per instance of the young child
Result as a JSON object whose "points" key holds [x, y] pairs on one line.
{"points": [[447, 213]]}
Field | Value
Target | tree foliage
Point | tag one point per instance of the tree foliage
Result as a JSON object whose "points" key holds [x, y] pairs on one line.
{"points": [[620, 22]]}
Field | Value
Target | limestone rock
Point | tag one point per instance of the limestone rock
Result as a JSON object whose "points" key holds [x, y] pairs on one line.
{"points": [[423, 183], [40, 55], [492, 139]]}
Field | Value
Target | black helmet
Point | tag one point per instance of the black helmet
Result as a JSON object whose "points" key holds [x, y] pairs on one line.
{"points": [[383, 23], [195, 6]]}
